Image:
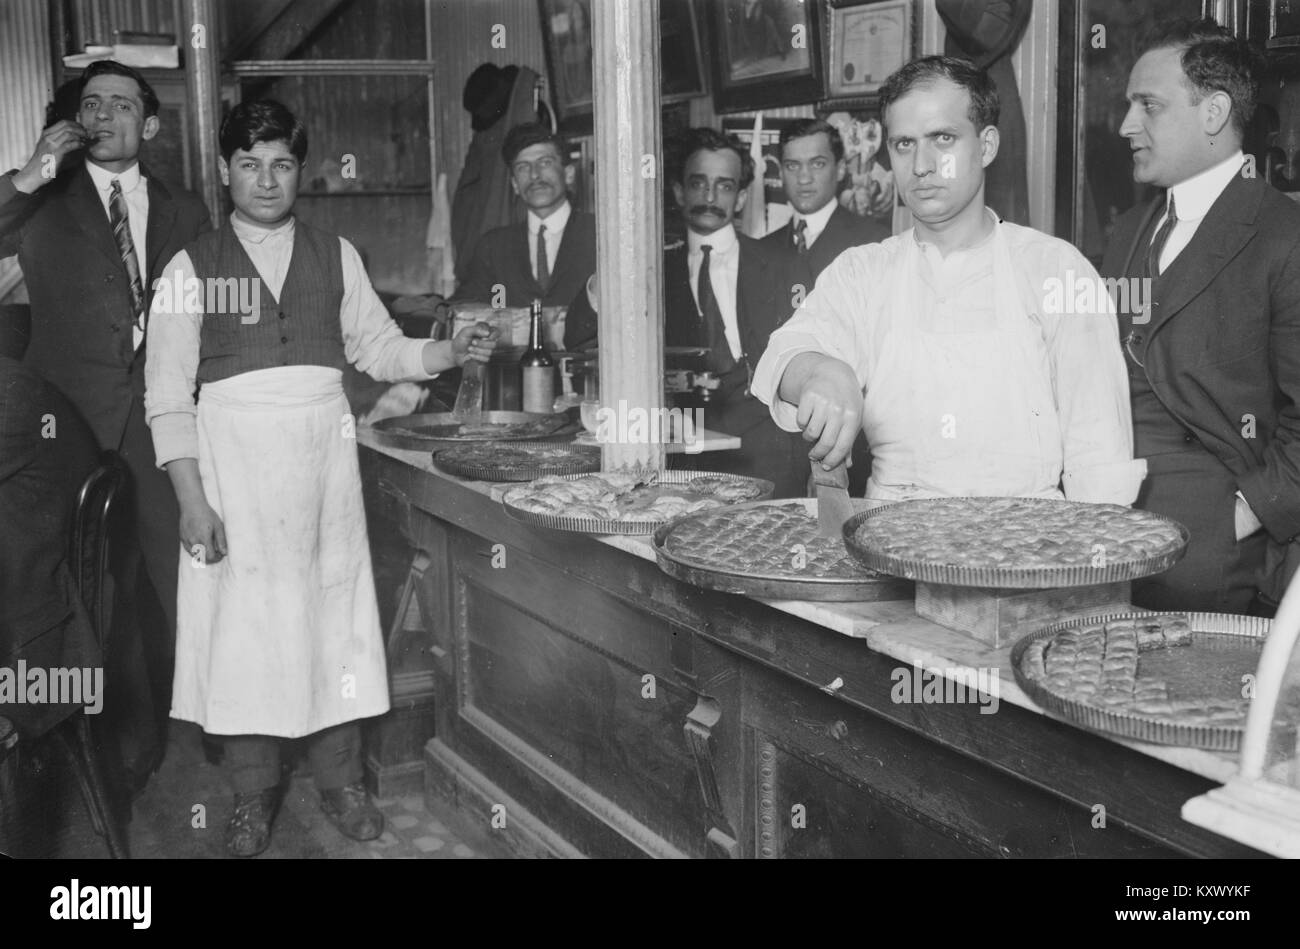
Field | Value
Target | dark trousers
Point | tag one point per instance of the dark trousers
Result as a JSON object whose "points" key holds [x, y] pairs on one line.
{"points": [[142, 644], [253, 761], [1218, 573]]}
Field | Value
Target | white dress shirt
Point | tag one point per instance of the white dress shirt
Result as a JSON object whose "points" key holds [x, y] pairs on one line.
{"points": [[817, 222], [371, 340], [1192, 201], [135, 190], [555, 225], [851, 315], [724, 271]]}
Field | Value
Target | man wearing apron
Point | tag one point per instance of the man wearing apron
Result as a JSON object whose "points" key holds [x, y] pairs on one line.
{"points": [[278, 631], [963, 347]]}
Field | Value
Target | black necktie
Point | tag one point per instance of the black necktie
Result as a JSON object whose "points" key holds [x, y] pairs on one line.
{"points": [[1158, 242], [720, 358], [801, 237], [543, 269], [121, 222]]}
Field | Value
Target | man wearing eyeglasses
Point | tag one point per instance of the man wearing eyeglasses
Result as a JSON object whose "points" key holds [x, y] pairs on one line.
{"points": [[551, 255]]}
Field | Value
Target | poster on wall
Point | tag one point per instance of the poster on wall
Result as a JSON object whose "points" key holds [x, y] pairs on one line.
{"points": [[866, 43], [867, 186]]}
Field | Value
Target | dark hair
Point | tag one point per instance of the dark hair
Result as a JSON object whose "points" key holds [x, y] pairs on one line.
{"points": [[111, 67], [1213, 60], [984, 104], [706, 139], [263, 120], [526, 136], [804, 128]]}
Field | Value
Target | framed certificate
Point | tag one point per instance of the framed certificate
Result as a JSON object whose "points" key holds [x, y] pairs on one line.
{"points": [[867, 42]]}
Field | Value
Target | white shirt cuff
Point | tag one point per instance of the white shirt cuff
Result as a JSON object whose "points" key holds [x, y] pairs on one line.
{"points": [[175, 435], [1112, 483]]}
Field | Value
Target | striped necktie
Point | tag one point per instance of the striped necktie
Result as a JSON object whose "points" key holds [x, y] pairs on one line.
{"points": [[801, 236], [117, 214], [1161, 238]]}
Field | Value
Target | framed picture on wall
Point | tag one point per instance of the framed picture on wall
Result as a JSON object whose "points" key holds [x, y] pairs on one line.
{"points": [[767, 54], [566, 35], [867, 187], [865, 41], [681, 60]]}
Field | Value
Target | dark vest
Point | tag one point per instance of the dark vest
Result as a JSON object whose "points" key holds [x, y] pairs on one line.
{"points": [[300, 329]]}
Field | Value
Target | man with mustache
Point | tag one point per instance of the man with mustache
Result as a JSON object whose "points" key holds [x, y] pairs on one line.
{"points": [[91, 241], [551, 255], [974, 383], [1214, 360], [725, 293]]}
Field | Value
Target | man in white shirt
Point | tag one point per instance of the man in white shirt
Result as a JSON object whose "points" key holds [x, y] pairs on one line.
{"points": [[949, 344], [1214, 359]]}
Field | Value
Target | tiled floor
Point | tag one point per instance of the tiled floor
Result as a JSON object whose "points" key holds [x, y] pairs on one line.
{"points": [[183, 814]]}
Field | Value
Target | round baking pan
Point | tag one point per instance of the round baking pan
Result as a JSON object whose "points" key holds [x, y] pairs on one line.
{"points": [[583, 461], [859, 586], [592, 525], [1004, 576], [435, 430], [1208, 631]]}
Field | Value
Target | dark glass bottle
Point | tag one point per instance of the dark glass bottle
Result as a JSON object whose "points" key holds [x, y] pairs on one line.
{"points": [[537, 367]]}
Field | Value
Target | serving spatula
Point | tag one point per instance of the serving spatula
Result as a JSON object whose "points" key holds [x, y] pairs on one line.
{"points": [[833, 504], [469, 397]]}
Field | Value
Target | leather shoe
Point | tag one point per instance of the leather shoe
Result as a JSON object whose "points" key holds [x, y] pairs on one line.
{"points": [[249, 831], [350, 810]]}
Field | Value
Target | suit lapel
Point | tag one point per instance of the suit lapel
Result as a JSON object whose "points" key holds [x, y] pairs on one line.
{"points": [[567, 253], [86, 210], [1225, 230], [162, 217], [1144, 225], [524, 260]]}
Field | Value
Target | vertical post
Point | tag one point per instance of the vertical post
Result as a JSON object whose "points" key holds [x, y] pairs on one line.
{"points": [[629, 203], [203, 89]]}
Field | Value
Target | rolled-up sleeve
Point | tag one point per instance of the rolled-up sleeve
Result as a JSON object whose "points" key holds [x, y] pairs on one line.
{"points": [[1092, 398], [371, 340], [830, 322], [172, 365]]}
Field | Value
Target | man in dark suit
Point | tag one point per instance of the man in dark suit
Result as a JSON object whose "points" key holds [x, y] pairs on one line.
{"points": [[91, 242], [1214, 356], [812, 165], [726, 293], [550, 256]]}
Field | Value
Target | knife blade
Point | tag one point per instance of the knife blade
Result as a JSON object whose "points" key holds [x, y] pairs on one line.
{"points": [[833, 504], [469, 397]]}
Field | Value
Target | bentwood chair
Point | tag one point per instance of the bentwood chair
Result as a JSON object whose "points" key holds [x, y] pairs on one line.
{"points": [[88, 552]]}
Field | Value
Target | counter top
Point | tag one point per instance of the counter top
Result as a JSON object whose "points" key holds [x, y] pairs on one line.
{"points": [[890, 628]]}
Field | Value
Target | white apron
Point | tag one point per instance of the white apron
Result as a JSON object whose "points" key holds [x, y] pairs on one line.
{"points": [[961, 404], [282, 636]]}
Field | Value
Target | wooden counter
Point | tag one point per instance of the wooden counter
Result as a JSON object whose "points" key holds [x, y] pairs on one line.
{"points": [[585, 703]]}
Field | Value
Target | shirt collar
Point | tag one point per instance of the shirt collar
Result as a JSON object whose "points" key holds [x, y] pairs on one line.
{"points": [[721, 240], [1193, 197], [251, 234], [555, 223], [987, 239], [103, 178], [818, 220]]}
